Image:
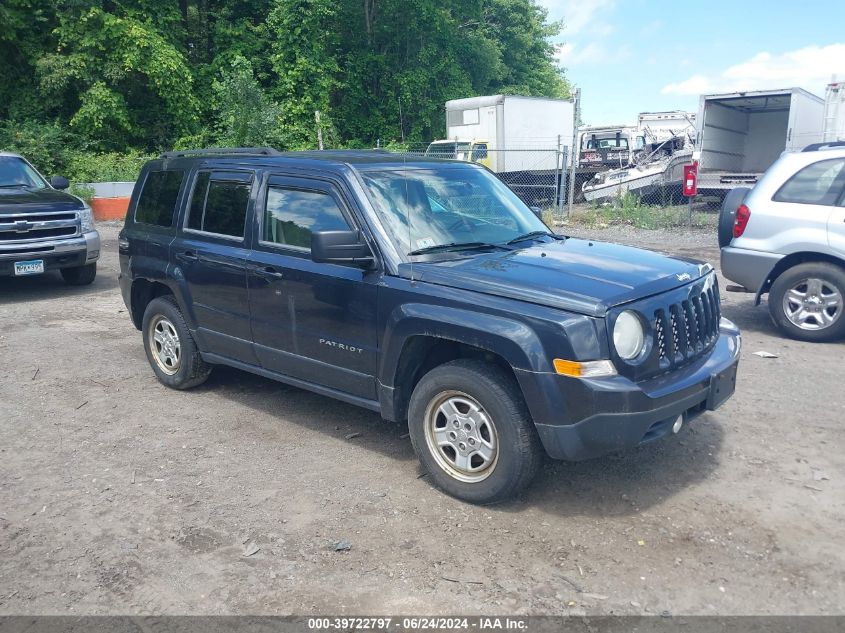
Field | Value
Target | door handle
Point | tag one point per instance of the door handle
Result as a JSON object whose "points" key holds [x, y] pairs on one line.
{"points": [[187, 256], [269, 272]]}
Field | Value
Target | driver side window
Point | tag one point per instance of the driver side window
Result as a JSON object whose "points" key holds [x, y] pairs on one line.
{"points": [[291, 215]]}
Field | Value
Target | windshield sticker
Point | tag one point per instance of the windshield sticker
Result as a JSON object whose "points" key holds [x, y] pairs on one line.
{"points": [[425, 242]]}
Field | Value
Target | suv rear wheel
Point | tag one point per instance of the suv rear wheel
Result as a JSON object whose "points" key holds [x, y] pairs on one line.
{"points": [[170, 348], [806, 302], [472, 433]]}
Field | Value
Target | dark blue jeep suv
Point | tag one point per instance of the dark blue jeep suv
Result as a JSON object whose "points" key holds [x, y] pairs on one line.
{"points": [[426, 291]]}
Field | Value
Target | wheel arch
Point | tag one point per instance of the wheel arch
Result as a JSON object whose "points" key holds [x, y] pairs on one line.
{"points": [[141, 293], [792, 260], [423, 337]]}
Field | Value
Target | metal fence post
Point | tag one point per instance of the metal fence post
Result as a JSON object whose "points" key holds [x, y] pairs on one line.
{"points": [[573, 157]]}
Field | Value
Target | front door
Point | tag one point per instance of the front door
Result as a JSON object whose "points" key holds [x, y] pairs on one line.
{"points": [[315, 322], [211, 254]]}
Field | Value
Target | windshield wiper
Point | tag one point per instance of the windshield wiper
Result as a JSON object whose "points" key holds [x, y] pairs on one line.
{"points": [[15, 184], [454, 246], [528, 236]]}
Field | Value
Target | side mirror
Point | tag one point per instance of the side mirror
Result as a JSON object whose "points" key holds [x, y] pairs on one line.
{"points": [[537, 211], [59, 182], [341, 247]]}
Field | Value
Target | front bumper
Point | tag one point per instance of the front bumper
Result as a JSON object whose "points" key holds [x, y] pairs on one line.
{"points": [[618, 414], [749, 269], [60, 253]]}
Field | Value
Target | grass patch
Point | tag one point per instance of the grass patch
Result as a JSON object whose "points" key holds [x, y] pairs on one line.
{"points": [[629, 210]]}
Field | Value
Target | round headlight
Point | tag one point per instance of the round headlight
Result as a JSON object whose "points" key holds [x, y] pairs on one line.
{"points": [[628, 335]]}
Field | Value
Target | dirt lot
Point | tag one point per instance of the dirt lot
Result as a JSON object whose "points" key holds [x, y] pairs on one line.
{"points": [[118, 495]]}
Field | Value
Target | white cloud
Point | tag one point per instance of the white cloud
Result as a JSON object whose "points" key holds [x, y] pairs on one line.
{"points": [[577, 14], [570, 55], [809, 68]]}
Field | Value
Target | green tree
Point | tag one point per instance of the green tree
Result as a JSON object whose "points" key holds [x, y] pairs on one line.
{"points": [[245, 115], [304, 65]]}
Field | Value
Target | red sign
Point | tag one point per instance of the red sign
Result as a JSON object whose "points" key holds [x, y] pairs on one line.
{"points": [[690, 180]]}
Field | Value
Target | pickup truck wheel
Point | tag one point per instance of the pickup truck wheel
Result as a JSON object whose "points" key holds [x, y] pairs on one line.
{"points": [[80, 275], [170, 348], [472, 432], [806, 302]]}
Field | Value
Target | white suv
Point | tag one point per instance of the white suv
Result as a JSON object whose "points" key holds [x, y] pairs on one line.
{"points": [[786, 236]]}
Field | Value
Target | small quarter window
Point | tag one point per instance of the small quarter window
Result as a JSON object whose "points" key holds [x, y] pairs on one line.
{"points": [[819, 183], [219, 205], [157, 202], [292, 214]]}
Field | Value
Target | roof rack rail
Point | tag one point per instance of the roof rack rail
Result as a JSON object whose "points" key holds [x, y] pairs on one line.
{"points": [[214, 151], [826, 145]]}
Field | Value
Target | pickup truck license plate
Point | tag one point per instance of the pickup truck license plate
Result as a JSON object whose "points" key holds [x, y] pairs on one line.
{"points": [[31, 267]]}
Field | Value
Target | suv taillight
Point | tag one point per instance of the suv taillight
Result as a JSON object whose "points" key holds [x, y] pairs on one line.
{"points": [[743, 213]]}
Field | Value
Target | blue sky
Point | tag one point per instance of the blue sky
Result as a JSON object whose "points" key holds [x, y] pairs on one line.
{"points": [[630, 56]]}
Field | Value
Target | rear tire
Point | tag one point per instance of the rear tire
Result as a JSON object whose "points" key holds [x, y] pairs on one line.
{"points": [[80, 275], [170, 348], [807, 301], [494, 451], [727, 215]]}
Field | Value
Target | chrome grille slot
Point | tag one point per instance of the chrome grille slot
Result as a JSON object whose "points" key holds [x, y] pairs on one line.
{"points": [[685, 330]]}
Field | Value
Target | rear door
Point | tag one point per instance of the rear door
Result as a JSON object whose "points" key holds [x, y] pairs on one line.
{"points": [[211, 256], [316, 322]]}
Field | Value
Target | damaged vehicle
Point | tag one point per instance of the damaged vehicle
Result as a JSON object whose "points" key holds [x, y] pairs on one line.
{"points": [[426, 291]]}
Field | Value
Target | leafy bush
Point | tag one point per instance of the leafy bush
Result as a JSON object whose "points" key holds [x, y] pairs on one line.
{"points": [[111, 167], [46, 145], [83, 191]]}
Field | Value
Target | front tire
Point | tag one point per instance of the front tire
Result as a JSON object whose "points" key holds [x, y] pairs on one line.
{"points": [[170, 348], [471, 430], [80, 275], [806, 302]]}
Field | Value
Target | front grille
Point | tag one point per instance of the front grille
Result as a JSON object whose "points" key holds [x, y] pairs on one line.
{"points": [[37, 234], [683, 331], [37, 217], [28, 227]]}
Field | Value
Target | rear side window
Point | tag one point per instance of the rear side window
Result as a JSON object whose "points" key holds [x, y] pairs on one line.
{"points": [[219, 203], [157, 202], [292, 214], [819, 183]]}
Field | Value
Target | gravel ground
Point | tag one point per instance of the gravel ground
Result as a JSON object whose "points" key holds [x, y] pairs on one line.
{"points": [[118, 495]]}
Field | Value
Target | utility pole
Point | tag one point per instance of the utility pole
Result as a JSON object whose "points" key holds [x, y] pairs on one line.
{"points": [[319, 129], [573, 152]]}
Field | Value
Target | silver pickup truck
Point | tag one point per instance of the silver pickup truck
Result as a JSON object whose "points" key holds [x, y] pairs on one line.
{"points": [[43, 228]]}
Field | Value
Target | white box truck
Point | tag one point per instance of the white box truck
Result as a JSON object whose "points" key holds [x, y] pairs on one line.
{"points": [[740, 134], [507, 133]]}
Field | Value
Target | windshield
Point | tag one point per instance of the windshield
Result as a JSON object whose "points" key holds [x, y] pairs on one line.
{"points": [[15, 172], [427, 208], [610, 142]]}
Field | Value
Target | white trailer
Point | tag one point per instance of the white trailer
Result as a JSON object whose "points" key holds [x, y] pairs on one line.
{"points": [[740, 134], [531, 129], [834, 112]]}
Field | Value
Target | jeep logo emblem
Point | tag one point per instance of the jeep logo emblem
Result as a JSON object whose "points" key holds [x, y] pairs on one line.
{"points": [[684, 277]]}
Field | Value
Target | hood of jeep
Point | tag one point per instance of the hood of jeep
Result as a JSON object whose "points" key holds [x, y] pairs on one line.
{"points": [[578, 275]]}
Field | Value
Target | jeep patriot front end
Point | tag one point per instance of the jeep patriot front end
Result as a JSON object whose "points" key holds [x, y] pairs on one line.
{"points": [[426, 291]]}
